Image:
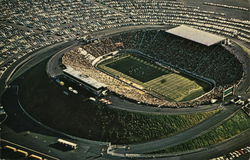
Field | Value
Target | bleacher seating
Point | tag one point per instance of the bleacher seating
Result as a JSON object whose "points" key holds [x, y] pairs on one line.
{"points": [[214, 62]]}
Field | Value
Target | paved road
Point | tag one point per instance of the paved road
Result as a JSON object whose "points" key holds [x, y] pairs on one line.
{"points": [[216, 150], [183, 136], [31, 60], [245, 59], [22, 130], [127, 105], [53, 65]]}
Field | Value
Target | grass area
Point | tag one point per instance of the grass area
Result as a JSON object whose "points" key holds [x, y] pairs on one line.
{"points": [[175, 87], [137, 68], [154, 78], [46, 102], [235, 125], [127, 127], [118, 74]]}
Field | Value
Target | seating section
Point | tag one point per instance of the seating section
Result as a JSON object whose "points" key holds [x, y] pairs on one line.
{"points": [[214, 62]]}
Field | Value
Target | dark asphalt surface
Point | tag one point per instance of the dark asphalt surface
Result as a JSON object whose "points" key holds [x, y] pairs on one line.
{"points": [[213, 151], [245, 59], [124, 104], [22, 130], [53, 66]]}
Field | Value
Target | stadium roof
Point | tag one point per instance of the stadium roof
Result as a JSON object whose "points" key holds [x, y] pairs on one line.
{"points": [[196, 35], [84, 78]]}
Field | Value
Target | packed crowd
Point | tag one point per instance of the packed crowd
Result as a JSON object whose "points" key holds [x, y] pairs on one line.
{"points": [[80, 63], [214, 62]]}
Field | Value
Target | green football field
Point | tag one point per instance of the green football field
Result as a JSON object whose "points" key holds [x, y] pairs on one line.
{"points": [[175, 87], [137, 68], [156, 79]]}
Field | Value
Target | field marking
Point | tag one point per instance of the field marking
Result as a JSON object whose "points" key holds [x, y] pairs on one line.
{"points": [[154, 69], [176, 87], [180, 93], [180, 82], [120, 74]]}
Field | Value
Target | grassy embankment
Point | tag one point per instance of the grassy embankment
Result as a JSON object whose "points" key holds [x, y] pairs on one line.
{"points": [[232, 127]]}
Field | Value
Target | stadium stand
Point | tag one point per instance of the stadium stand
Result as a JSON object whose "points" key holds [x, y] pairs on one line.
{"points": [[25, 29], [214, 62]]}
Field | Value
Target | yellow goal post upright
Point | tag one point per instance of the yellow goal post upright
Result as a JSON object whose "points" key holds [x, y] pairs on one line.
{"points": [[229, 91]]}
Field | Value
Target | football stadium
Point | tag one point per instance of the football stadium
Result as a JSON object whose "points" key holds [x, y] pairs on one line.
{"points": [[152, 77], [152, 62], [125, 79]]}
